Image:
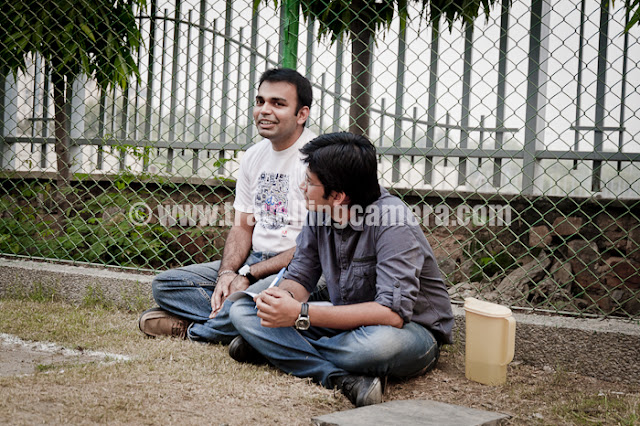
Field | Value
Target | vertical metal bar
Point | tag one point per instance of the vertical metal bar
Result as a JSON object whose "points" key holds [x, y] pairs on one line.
{"points": [[623, 92], [45, 116], [3, 146], [187, 78], [9, 103], [238, 79], [283, 19], [338, 86], [253, 60], [226, 72], [579, 88], [466, 101], [213, 80], [77, 104], [124, 121], [289, 37], [197, 124], [383, 113], [267, 53], [226, 81], [414, 131], [36, 103], [481, 139], [137, 91], [433, 101], [175, 68], [601, 92], [101, 127], [323, 83], [502, 91], [446, 136], [534, 121], [311, 29], [150, 85], [114, 133], [162, 74], [400, 89]]}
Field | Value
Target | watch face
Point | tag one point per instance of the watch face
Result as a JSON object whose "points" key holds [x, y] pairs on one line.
{"points": [[244, 270], [302, 323]]}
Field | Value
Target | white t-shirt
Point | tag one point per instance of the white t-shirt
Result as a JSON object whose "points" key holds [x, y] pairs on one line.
{"points": [[269, 188]]}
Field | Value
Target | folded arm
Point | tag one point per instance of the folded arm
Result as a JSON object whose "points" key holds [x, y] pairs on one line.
{"points": [[276, 308]]}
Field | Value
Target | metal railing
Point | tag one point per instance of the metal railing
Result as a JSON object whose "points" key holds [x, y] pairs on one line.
{"points": [[538, 103]]}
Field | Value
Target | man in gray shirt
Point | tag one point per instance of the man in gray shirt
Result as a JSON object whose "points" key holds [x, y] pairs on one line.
{"points": [[390, 311]]}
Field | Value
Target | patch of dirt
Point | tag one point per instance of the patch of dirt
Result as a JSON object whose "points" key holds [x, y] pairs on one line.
{"points": [[19, 357], [530, 396]]}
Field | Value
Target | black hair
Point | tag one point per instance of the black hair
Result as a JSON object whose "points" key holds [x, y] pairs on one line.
{"points": [[345, 162], [287, 75]]}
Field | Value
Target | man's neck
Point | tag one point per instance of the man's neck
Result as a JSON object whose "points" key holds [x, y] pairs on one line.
{"points": [[281, 145], [341, 215]]}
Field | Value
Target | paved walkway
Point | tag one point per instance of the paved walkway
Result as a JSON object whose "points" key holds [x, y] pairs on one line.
{"points": [[413, 412]]}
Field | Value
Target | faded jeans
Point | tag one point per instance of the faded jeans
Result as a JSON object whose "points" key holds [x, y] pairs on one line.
{"points": [[325, 354], [187, 291]]}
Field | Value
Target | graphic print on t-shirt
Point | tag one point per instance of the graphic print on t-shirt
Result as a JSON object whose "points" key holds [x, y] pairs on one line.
{"points": [[272, 205]]}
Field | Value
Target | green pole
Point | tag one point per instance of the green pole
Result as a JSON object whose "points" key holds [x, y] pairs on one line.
{"points": [[290, 33]]}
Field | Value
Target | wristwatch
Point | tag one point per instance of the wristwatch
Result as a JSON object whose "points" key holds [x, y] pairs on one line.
{"points": [[302, 323], [245, 271]]}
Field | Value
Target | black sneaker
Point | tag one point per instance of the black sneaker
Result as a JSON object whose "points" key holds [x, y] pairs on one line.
{"points": [[242, 351], [362, 390]]}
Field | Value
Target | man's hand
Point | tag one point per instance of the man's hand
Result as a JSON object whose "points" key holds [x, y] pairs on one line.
{"points": [[276, 308], [227, 284]]}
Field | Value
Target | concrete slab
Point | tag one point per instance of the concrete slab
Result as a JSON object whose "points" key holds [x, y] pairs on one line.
{"points": [[412, 412], [74, 283]]}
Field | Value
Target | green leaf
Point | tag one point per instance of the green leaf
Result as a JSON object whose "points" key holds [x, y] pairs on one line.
{"points": [[88, 32]]}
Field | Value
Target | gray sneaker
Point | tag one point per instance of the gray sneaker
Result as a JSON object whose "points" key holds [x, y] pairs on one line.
{"points": [[158, 322], [362, 390]]}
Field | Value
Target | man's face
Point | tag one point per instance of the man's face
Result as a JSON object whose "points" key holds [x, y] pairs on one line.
{"points": [[275, 113], [313, 191]]}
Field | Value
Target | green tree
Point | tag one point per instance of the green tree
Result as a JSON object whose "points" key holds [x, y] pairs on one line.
{"points": [[99, 38]]}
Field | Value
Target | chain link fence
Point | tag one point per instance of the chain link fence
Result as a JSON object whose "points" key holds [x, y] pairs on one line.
{"points": [[515, 138]]}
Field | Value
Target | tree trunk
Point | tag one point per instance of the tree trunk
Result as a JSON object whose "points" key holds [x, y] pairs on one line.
{"points": [[61, 132], [359, 110]]}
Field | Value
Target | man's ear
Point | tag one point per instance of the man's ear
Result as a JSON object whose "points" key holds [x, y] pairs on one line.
{"points": [[303, 115], [339, 199]]}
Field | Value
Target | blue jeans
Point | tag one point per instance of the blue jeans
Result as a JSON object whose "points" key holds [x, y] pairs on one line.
{"points": [[325, 354], [186, 292]]}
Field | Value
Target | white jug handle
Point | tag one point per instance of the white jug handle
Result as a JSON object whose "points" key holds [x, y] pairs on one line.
{"points": [[510, 339]]}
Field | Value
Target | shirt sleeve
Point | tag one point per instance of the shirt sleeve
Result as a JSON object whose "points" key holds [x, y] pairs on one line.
{"points": [[305, 267], [399, 264]]}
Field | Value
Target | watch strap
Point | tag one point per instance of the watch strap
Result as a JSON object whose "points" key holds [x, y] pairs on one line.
{"points": [[304, 310], [251, 278]]}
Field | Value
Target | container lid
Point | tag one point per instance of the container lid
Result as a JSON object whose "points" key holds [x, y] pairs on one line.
{"points": [[488, 309]]}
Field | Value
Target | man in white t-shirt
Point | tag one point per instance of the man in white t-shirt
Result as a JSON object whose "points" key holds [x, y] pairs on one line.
{"points": [[269, 214]]}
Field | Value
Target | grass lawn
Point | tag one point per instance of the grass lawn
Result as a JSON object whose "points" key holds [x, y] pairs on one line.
{"points": [[168, 381]]}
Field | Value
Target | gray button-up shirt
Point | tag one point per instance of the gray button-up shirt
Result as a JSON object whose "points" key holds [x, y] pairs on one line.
{"points": [[382, 256]]}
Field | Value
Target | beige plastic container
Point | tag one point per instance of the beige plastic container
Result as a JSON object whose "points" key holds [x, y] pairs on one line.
{"points": [[490, 341]]}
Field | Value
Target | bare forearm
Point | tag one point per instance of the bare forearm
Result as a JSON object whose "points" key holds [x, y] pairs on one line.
{"points": [[276, 308], [273, 265], [236, 248], [348, 317]]}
